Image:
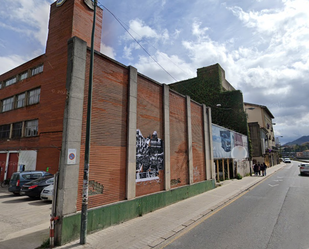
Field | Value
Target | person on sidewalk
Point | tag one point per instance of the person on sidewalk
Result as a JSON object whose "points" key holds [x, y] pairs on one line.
{"points": [[259, 169], [262, 169], [265, 167], [255, 168]]}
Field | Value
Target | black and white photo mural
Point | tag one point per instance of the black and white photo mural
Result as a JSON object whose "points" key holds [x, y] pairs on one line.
{"points": [[149, 156]]}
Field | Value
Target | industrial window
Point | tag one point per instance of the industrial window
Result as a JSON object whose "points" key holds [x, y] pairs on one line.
{"points": [[8, 104], [17, 130], [34, 96], [31, 128], [37, 70], [21, 100], [10, 81], [23, 75], [5, 131]]}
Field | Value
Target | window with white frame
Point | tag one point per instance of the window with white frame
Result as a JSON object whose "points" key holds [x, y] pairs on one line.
{"points": [[23, 75], [34, 96], [17, 130], [37, 70], [10, 81], [31, 128], [8, 104], [21, 100], [5, 131]]}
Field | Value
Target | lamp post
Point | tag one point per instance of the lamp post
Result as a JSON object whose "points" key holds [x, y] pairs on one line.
{"points": [[84, 214]]}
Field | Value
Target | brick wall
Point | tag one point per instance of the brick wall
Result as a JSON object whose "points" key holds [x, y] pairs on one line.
{"points": [[149, 119], [199, 170], [178, 140], [108, 131]]}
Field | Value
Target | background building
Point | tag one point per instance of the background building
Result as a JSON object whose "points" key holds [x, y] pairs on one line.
{"points": [[212, 89], [260, 121]]}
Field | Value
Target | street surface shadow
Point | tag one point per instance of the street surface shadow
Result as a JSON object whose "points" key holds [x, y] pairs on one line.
{"points": [[9, 196], [32, 240], [39, 203], [18, 199]]}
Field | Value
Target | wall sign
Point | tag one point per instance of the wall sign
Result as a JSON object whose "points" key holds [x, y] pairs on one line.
{"points": [[71, 156]]}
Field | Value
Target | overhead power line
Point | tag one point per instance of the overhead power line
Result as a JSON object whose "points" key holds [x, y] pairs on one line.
{"points": [[123, 26]]}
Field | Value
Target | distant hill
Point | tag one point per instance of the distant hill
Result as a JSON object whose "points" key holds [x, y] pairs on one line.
{"points": [[299, 141]]}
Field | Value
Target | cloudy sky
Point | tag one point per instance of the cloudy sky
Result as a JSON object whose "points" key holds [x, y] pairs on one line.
{"points": [[262, 45]]}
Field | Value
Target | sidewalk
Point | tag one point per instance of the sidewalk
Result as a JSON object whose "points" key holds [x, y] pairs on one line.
{"points": [[153, 229]]}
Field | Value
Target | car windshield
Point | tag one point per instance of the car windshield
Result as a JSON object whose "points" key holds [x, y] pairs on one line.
{"points": [[31, 176]]}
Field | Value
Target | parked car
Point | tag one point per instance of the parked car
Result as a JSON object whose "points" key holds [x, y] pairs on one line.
{"points": [[34, 188], [287, 160], [304, 169], [47, 193], [18, 179]]}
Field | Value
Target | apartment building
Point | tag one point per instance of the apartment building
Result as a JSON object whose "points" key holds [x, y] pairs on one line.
{"points": [[261, 126]]}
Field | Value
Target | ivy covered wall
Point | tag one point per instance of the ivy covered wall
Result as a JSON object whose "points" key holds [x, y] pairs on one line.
{"points": [[207, 89]]}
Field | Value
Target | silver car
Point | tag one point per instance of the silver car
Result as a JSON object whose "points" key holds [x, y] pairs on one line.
{"points": [[304, 169], [47, 193], [287, 160]]}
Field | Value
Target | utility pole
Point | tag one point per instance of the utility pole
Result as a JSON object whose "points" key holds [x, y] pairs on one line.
{"points": [[84, 214]]}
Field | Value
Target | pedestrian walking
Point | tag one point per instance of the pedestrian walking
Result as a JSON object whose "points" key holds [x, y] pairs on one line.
{"points": [[255, 168], [262, 169], [265, 168]]}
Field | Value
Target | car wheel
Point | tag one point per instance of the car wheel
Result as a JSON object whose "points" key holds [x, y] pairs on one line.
{"points": [[16, 193]]}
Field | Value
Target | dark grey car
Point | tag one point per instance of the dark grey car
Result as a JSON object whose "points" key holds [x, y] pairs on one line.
{"points": [[18, 179]]}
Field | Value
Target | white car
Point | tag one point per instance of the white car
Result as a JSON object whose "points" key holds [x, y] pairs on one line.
{"points": [[304, 169], [47, 193], [287, 160]]}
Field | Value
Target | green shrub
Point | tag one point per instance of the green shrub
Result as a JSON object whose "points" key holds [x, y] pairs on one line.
{"points": [[238, 176]]}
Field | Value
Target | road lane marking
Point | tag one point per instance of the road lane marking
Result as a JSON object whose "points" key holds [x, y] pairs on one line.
{"points": [[273, 185]]}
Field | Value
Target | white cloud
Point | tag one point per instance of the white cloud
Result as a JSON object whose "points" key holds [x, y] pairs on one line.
{"points": [[176, 67], [109, 51], [197, 30], [140, 31], [32, 15], [7, 63]]}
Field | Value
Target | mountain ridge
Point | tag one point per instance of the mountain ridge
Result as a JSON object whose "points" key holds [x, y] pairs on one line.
{"points": [[299, 141]]}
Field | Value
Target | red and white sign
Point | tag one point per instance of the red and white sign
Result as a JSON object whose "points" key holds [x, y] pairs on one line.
{"points": [[71, 156]]}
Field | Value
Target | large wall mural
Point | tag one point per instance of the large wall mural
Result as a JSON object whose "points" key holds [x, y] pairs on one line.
{"points": [[228, 144], [149, 156]]}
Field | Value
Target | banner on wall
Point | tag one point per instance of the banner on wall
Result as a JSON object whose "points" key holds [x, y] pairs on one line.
{"points": [[149, 156], [228, 144]]}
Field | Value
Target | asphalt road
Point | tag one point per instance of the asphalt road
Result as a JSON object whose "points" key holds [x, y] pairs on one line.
{"points": [[272, 215]]}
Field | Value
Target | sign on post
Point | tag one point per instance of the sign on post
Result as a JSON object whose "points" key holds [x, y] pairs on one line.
{"points": [[71, 156]]}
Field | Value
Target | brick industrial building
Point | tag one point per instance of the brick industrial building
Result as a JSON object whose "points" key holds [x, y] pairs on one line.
{"points": [[150, 146]]}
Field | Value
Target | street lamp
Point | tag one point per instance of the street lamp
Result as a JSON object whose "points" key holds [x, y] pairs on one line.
{"points": [[84, 211]]}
